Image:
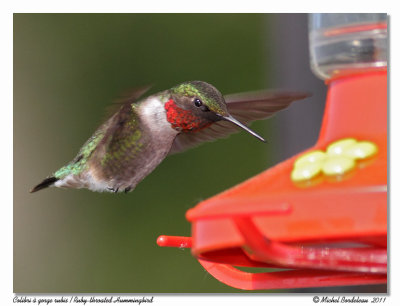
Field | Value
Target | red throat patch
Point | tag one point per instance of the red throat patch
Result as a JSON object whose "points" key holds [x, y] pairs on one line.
{"points": [[184, 119]]}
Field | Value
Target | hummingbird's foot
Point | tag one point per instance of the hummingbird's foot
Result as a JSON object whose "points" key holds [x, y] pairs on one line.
{"points": [[127, 189], [112, 189], [115, 190]]}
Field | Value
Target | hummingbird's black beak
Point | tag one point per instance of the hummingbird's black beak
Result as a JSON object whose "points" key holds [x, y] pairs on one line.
{"points": [[241, 125]]}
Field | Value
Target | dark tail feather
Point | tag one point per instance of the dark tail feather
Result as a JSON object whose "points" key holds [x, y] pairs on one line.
{"points": [[46, 183]]}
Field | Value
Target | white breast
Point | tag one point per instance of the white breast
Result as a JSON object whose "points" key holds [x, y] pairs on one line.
{"points": [[153, 116]]}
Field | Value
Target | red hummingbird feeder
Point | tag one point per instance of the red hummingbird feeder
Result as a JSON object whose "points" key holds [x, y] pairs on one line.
{"points": [[318, 219]]}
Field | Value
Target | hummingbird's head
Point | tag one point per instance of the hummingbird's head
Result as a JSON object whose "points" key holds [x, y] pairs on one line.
{"points": [[200, 98], [195, 105]]}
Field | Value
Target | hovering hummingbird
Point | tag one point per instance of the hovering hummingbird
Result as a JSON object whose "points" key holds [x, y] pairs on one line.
{"points": [[135, 139]]}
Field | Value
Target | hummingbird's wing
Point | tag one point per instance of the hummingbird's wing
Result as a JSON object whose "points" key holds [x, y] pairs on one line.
{"points": [[120, 141], [128, 96], [245, 107]]}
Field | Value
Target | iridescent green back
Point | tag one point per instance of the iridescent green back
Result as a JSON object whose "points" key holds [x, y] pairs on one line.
{"points": [[79, 164], [122, 142]]}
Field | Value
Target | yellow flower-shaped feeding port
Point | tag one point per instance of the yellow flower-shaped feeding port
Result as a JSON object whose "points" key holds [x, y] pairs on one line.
{"points": [[340, 157]]}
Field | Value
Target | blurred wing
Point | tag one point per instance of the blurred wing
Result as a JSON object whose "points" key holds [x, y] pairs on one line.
{"points": [[118, 139], [128, 97], [245, 107]]}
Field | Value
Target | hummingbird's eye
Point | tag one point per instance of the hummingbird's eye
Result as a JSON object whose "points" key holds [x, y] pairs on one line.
{"points": [[198, 102]]}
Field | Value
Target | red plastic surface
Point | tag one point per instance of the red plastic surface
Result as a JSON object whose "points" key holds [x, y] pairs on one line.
{"points": [[328, 231], [288, 279]]}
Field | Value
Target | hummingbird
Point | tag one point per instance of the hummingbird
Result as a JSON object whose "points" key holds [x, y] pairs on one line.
{"points": [[132, 142]]}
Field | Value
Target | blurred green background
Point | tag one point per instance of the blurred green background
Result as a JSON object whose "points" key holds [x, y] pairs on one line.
{"points": [[67, 70]]}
